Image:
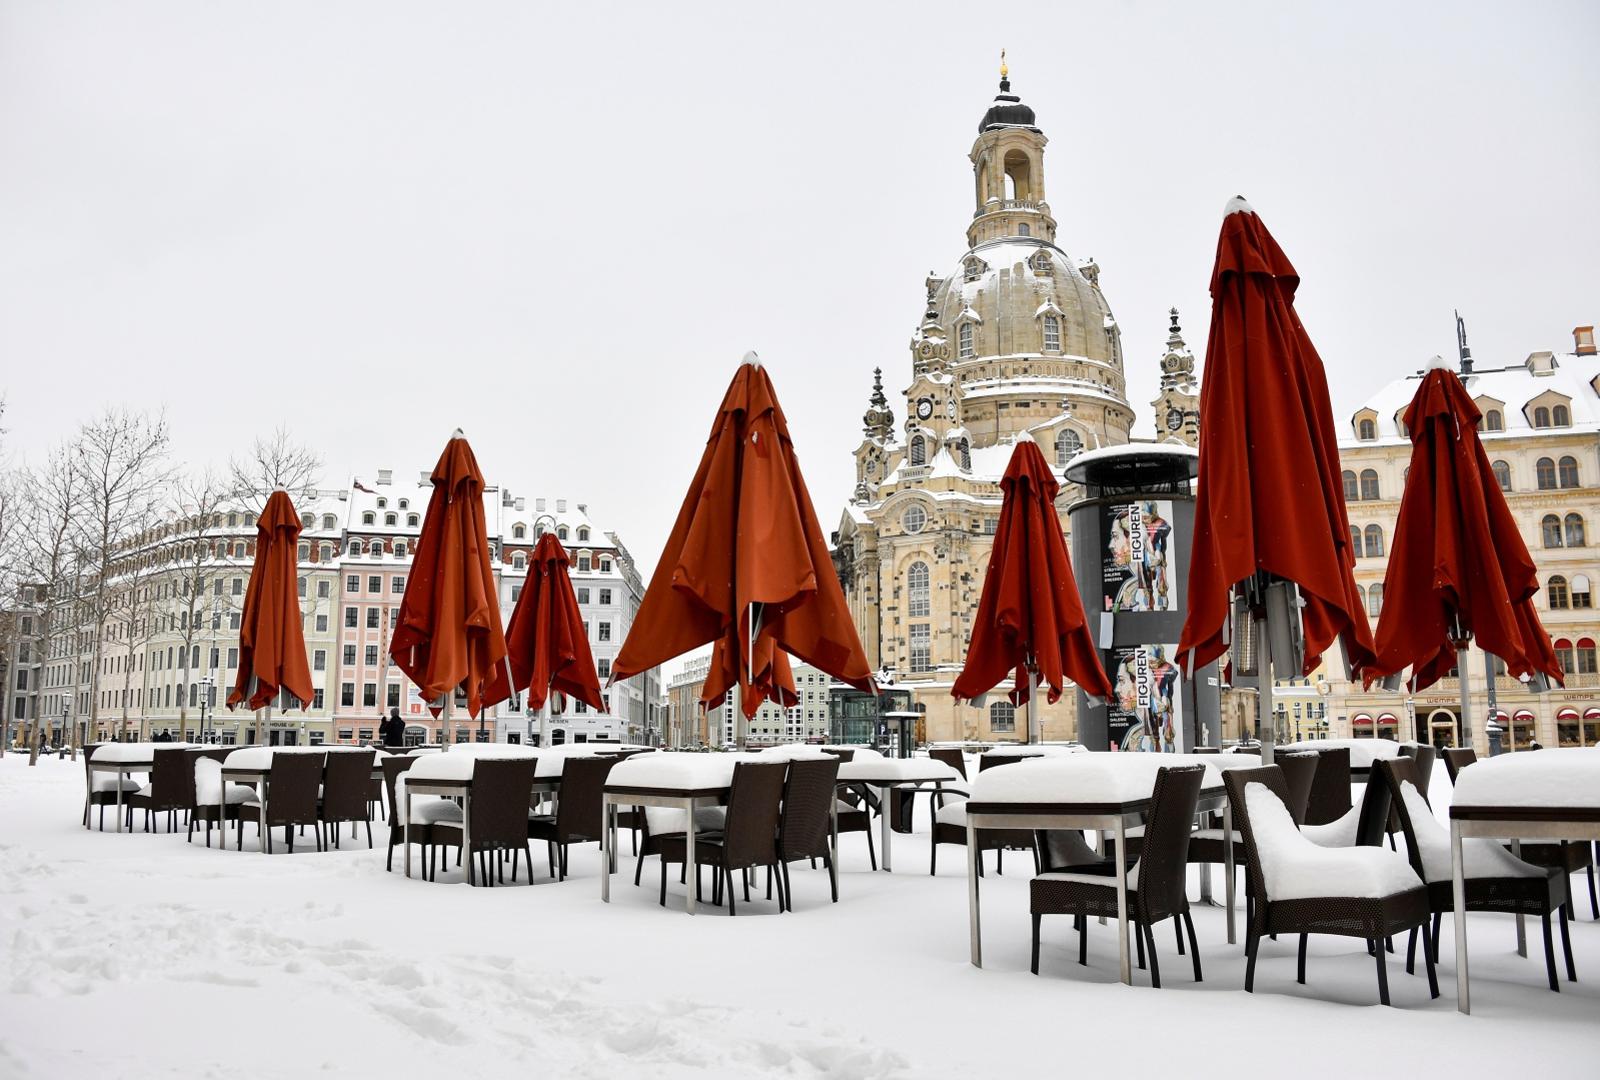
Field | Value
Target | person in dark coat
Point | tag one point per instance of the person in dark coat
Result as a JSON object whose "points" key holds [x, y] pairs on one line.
{"points": [[393, 729]]}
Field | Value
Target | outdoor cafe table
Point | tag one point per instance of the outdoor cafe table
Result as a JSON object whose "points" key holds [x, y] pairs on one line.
{"points": [[252, 766], [679, 781], [887, 774], [450, 775], [1363, 752], [126, 758], [1547, 795], [1102, 792]]}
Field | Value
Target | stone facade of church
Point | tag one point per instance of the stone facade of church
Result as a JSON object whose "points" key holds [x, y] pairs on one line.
{"points": [[1017, 337]]}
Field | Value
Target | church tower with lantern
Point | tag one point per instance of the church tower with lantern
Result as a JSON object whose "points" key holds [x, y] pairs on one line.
{"points": [[1016, 338], [1178, 408]]}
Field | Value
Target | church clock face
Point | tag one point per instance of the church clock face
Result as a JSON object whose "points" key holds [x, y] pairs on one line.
{"points": [[950, 408], [924, 408], [1174, 419]]}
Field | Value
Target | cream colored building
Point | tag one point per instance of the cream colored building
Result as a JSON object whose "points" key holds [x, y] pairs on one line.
{"points": [[1541, 431], [1016, 338]]}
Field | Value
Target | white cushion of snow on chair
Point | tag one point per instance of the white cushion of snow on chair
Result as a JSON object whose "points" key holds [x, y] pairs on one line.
{"points": [[1335, 834], [1091, 879], [108, 782], [434, 812], [1297, 869], [1480, 858], [208, 782], [952, 813], [665, 820]]}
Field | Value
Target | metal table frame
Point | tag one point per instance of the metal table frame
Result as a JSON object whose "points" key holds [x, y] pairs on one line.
{"points": [[1514, 823], [886, 788], [122, 769], [686, 799], [1099, 818]]}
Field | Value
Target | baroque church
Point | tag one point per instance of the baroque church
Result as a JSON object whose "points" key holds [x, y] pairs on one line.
{"points": [[1016, 338]]}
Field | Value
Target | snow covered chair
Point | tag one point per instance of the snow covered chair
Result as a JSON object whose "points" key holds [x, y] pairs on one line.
{"points": [[209, 807], [803, 822], [1300, 888], [292, 784], [1329, 799], [1156, 883], [171, 788], [1495, 879], [102, 788], [950, 827]]}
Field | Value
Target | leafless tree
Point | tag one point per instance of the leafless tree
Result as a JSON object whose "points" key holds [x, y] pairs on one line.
{"points": [[135, 605], [121, 461], [275, 461], [10, 563], [199, 502], [51, 500]]}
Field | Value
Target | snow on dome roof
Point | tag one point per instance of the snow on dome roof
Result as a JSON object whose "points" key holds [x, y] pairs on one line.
{"points": [[1007, 111]]}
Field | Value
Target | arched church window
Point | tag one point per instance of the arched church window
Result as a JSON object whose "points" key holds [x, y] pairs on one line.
{"points": [[919, 450], [1052, 334], [964, 336], [917, 601], [964, 453], [1068, 443], [1041, 263], [1023, 230], [1002, 716]]}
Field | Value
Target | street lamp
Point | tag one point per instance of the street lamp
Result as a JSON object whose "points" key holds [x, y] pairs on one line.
{"points": [[206, 682]]}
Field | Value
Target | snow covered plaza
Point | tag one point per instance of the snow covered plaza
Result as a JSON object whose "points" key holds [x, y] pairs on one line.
{"points": [[837, 540]]}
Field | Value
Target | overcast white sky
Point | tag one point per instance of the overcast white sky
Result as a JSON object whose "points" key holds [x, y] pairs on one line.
{"points": [[560, 228]]}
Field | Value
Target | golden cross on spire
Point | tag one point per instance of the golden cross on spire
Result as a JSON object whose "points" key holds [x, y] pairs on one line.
{"points": [[1003, 71]]}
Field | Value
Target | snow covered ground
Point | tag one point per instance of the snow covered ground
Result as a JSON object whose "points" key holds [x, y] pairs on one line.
{"points": [[140, 955]]}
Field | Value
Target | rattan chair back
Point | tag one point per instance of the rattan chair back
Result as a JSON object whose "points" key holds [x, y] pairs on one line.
{"points": [[1330, 787], [1457, 759], [803, 822], [345, 781], [1299, 773], [952, 757], [1235, 781], [842, 755], [580, 812], [1391, 774], [292, 792], [1164, 857], [171, 780], [501, 789], [750, 834]]}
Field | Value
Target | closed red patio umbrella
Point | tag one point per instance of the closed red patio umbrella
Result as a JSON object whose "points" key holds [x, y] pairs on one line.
{"points": [[746, 562], [545, 640], [272, 646], [449, 635], [1269, 507], [1029, 618], [1458, 568]]}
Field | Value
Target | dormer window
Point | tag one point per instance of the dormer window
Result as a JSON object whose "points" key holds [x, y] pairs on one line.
{"points": [[1366, 429], [561, 532], [1541, 417], [1560, 416], [1068, 444], [390, 519], [964, 338], [329, 521], [1052, 334], [519, 531], [405, 504], [382, 502], [583, 535], [973, 269], [1494, 420], [368, 517], [519, 561], [412, 521]]}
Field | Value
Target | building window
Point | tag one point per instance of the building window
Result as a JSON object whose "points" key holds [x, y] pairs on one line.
{"points": [[1564, 655], [1580, 592], [1366, 431], [1502, 475], [605, 596], [1574, 530], [561, 532], [1374, 601], [1068, 444], [1369, 484], [368, 518], [919, 450], [602, 667], [372, 618], [412, 521], [352, 583], [347, 694], [349, 656], [352, 617], [1560, 417], [1023, 230], [914, 519], [964, 453], [1351, 492], [1541, 417], [319, 660], [1550, 531], [1569, 472], [372, 655], [605, 564], [399, 549], [1545, 470], [322, 624], [583, 562], [583, 535], [921, 648], [392, 691], [604, 631], [1556, 593], [964, 337], [357, 548], [1374, 542], [1586, 656], [583, 594], [1493, 421], [1052, 334], [918, 604], [1002, 716], [369, 694]]}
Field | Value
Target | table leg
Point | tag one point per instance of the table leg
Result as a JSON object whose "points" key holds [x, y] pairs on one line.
{"points": [[466, 835], [1227, 867], [605, 861], [407, 821], [1122, 903], [120, 776], [691, 875], [1459, 890], [1522, 927], [975, 934], [88, 799], [833, 843], [262, 790], [883, 824]]}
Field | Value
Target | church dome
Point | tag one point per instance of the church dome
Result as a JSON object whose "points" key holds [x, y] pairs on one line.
{"points": [[1007, 111]]}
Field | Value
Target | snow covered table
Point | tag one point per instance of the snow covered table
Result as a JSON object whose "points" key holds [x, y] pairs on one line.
{"points": [[1096, 791], [1363, 752], [681, 781], [887, 774], [252, 767], [122, 759], [1548, 795], [450, 775]]}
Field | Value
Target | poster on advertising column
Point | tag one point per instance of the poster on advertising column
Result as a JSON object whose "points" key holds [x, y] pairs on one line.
{"points": [[1135, 571], [1147, 711]]}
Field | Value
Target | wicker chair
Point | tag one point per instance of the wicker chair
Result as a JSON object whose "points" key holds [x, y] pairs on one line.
{"points": [[422, 833], [171, 788], [842, 755], [1156, 883], [749, 839], [206, 810], [1494, 880], [102, 788], [1394, 902], [292, 784], [1330, 787], [1456, 759], [501, 790], [346, 786], [580, 811], [803, 824], [950, 827]]}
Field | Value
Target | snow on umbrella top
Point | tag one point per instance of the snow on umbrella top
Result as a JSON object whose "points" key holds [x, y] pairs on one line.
{"points": [[1458, 565], [1270, 499]]}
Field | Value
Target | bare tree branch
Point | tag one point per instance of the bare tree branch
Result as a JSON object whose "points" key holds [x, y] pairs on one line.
{"points": [[275, 461]]}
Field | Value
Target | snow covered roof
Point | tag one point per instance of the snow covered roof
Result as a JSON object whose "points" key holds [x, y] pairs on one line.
{"points": [[1565, 374]]}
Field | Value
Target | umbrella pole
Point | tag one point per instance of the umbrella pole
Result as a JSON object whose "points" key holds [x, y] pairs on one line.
{"points": [[1462, 648], [1034, 734], [444, 718], [1265, 733], [544, 720]]}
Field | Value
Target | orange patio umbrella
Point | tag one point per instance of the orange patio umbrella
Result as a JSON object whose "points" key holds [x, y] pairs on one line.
{"points": [[272, 646], [746, 564], [545, 640], [449, 634], [1029, 618]]}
